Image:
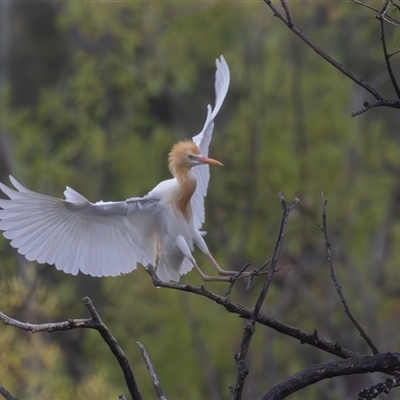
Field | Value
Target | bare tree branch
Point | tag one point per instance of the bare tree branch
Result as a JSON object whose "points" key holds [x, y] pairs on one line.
{"points": [[380, 100], [384, 362], [249, 327], [388, 18], [374, 391], [116, 350], [153, 374], [6, 394], [394, 53], [240, 272], [93, 323], [368, 106], [381, 18], [324, 229], [319, 51], [244, 312], [361, 3]]}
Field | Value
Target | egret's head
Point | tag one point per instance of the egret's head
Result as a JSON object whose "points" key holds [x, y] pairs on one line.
{"points": [[186, 155]]}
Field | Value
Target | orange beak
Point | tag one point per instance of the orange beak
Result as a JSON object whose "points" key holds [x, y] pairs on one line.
{"points": [[211, 161]]}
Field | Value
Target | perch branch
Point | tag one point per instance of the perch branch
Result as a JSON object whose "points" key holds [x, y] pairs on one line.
{"points": [[384, 362], [249, 327], [324, 229], [92, 323], [153, 374], [243, 312]]}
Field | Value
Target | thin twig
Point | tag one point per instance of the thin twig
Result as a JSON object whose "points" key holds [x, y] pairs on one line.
{"points": [[389, 19], [6, 394], [386, 55], [247, 265], [324, 229], [91, 323], [258, 270], [287, 12], [153, 374], [320, 52], [249, 327], [48, 327], [380, 100], [361, 3], [394, 53]]}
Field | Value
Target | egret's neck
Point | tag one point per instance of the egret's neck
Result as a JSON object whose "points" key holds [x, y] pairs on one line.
{"points": [[187, 186]]}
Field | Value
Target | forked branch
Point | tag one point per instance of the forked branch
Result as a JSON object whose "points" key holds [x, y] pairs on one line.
{"points": [[382, 17], [92, 323], [388, 18], [380, 101], [249, 328]]}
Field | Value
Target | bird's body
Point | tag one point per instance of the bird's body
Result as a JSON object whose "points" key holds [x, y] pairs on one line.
{"points": [[175, 221], [110, 238]]}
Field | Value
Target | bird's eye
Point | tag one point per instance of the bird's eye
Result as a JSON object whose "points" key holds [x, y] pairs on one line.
{"points": [[191, 156]]}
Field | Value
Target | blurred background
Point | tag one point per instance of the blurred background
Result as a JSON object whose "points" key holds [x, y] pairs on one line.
{"points": [[94, 94]]}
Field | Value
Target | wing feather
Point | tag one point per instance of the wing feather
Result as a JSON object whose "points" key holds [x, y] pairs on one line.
{"points": [[203, 139], [100, 239], [69, 264]]}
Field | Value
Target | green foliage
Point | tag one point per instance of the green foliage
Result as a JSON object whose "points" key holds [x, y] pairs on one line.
{"points": [[138, 78]]}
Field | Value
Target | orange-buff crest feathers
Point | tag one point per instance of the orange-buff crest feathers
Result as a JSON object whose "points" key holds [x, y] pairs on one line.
{"points": [[176, 157]]}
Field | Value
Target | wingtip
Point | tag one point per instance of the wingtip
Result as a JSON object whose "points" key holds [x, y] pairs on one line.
{"points": [[220, 62], [2, 185], [223, 74], [19, 186], [12, 179]]}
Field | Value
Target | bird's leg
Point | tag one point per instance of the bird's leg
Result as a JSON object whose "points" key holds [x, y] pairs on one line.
{"points": [[223, 271], [184, 248], [198, 239], [208, 278], [228, 276]]}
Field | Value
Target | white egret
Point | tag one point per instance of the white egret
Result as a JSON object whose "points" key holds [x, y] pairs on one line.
{"points": [[110, 238]]}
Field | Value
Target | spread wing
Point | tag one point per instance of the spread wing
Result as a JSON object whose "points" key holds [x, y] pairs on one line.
{"points": [[98, 239], [203, 139]]}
